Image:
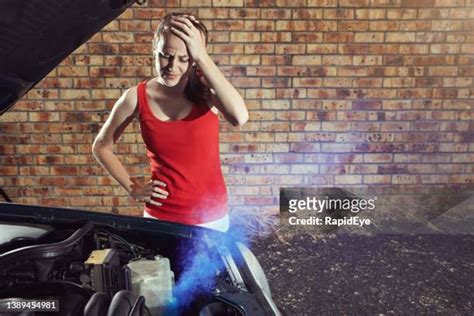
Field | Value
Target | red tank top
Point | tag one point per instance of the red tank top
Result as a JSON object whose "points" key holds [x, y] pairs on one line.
{"points": [[185, 155]]}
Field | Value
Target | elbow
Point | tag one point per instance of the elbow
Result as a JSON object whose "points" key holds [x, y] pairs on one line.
{"points": [[242, 118], [97, 148]]}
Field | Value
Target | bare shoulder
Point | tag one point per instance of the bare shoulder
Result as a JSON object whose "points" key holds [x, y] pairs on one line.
{"points": [[123, 112], [129, 98], [126, 105]]}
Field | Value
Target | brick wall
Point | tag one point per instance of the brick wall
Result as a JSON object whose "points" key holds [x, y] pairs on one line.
{"points": [[348, 92]]}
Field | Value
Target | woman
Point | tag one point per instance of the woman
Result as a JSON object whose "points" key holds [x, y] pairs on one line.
{"points": [[177, 111]]}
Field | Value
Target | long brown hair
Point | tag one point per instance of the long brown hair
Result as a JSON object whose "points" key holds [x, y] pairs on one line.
{"points": [[195, 90]]}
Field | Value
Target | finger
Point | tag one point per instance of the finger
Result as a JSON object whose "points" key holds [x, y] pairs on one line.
{"points": [[179, 33], [186, 21], [160, 196], [158, 182], [181, 26], [154, 203], [160, 191], [192, 17]]}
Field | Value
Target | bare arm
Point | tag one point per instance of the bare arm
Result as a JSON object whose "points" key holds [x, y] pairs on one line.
{"points": [[224, 97], [120, 117]]}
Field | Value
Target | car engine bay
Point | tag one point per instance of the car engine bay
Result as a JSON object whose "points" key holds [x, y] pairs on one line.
{"points": [[99, 270]]}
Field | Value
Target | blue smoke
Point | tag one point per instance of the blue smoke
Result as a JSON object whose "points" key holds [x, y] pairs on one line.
{"points": [[201, 262]]}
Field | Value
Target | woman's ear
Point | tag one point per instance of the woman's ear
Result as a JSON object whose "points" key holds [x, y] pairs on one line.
{"points": [[199, 72]]}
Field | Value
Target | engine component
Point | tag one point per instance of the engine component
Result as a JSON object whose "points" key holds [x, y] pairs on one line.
{"points": [[106, 274], [45, 251], [124, 303], [154, 280], [219, 309], [98, 304]]}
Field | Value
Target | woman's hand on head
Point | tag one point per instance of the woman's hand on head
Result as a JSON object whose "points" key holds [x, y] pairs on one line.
{"points": [[194, 39], [147, 193]]}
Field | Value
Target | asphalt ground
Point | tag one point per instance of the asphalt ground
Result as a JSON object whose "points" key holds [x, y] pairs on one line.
{"points": [[344, 274]]}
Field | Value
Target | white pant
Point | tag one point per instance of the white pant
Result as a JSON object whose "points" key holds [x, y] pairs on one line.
{"points": [[219, 224]]}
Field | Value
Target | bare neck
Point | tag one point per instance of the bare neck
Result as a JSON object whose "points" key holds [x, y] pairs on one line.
{"points": [[173, 92]]}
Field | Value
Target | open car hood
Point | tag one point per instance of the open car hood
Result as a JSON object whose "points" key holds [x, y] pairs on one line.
{"points": [[36, 35], [44, 215]]}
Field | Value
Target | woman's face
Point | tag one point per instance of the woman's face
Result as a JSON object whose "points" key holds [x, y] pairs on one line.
{"points": [[172, 61]]}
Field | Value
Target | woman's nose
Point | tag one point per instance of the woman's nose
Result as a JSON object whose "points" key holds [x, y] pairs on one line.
{"points": [[171, 63]]}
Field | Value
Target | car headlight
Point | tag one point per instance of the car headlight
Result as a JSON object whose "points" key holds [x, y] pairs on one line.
{"points": [[255, 268], [258, 275]]}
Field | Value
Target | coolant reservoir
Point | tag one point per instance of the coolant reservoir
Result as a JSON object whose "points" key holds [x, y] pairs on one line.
{"points": [[154, 280]]}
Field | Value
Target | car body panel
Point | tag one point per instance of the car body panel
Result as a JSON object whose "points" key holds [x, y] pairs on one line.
{"points": [[36, 36]]}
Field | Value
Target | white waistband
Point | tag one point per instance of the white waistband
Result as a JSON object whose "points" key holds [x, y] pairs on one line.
{"points": [[221, 224]]}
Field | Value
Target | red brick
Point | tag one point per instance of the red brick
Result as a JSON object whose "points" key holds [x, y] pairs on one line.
{"points": [[292, 3], [260, 200], [244, 13], [322, 3], [347, 179], [307, 14], [384, 26], [134, 26], [261, 71], [276, 82], [304, 25], [338, 37], [401, 14], [461, 179], [338, 14], [149, 13], [259, 25], [275, 13], [418, 3], [230, 25], [353, 26], [400, 37], [430, 37], [354, 3], [376, 179], [446, 26], [277, 37], [368, 37], [415, 26]]}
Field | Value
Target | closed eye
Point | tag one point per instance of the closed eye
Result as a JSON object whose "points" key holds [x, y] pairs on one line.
{"points": [[183, 59]]}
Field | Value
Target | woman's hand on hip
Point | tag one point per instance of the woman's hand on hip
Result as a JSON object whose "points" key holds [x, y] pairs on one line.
{"points": [[147, 193], [190, 34]]}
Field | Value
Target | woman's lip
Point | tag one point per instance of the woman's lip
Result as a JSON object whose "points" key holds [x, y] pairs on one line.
{"points": [[170, 75]]}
